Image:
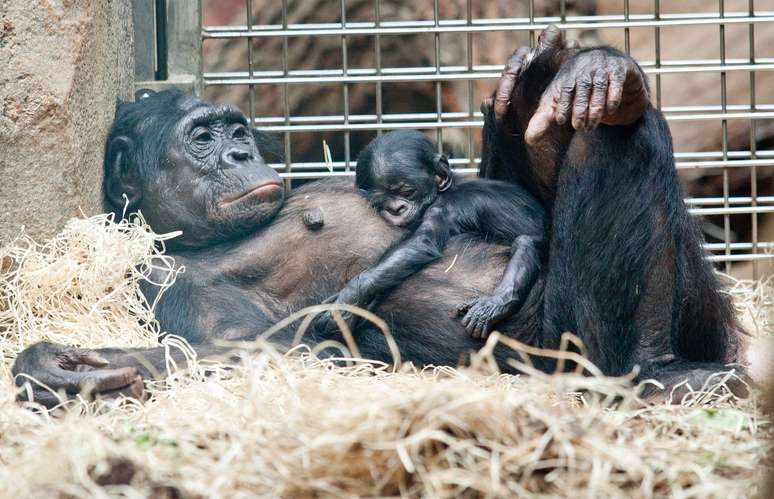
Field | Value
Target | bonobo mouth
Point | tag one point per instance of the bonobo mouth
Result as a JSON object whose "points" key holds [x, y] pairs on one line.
{"points": [[401, 220], [266, 191]]}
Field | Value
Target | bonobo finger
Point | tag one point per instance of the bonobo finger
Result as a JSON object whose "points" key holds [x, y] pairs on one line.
{"points": [[508, 79], [486, 105], [542, 119], [580, 108], [564, 102], [465, 306], [135, 390], [550, 38], [598, 99], [615, 90], [571, 43], [100, 380], [90, 358]]}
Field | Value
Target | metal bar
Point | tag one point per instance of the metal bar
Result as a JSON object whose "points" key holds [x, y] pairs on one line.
{"points": [[724, 138], [251, 88], [753, 143], [657, 41], [285, 96], [471, 103], [438, 96], [393, 76], [627, 21], [345, 87], [516, 24], [378, 55]]}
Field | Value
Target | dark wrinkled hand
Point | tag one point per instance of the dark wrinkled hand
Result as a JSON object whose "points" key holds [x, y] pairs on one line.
{"points": [[551, 42], [591, 88], [483, 313], [71, 371], [325, 323]]}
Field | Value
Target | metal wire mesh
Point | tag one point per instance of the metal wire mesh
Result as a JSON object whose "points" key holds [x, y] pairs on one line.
{"points": [[734, 213]]}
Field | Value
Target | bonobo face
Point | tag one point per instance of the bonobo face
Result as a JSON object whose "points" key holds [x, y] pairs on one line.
{"points": [[210, 180], [400, 193], [401, 175], [213, 170]]}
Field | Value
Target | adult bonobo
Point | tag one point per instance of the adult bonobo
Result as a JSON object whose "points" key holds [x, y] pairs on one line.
{"points": [[625, 268]]}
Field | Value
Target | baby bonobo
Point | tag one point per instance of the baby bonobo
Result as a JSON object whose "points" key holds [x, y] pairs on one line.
{"points": [[412, 186]]}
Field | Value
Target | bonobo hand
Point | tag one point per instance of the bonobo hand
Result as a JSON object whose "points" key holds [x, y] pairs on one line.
{"points": [[590, 87], [72, 370], [595, 86], [326, 324], [552, 41], [483, 313]]}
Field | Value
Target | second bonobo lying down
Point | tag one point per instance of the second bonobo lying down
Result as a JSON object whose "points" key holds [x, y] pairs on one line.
{"points": [[412, 186]]}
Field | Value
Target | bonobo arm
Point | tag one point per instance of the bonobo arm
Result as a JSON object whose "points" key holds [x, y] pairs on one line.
{"points": [[403, 260], [423, 246], [105, 372], [481, 314], [194, 308]]}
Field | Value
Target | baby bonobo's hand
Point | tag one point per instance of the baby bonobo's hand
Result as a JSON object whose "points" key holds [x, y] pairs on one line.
{"points": [[326, 323], [483, 313]]}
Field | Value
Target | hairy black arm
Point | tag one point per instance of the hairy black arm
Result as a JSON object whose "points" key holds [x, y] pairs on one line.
{"points": [[199, 310], [421, 247], [406, 258], [481, 314], [503, 213]]}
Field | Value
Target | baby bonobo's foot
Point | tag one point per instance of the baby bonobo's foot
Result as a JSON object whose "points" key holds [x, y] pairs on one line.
{"points": [[483, 313]]}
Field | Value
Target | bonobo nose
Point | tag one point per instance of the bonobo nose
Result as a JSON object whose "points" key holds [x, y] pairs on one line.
{"points": [[238, 155], [397, 209]]}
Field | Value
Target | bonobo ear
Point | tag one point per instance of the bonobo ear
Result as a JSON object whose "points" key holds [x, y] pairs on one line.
{"points": [[120, 175], [143, 93], [443, 176]]}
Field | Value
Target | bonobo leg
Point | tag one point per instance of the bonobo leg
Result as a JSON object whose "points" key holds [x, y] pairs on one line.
{"points": [[624, 269]]}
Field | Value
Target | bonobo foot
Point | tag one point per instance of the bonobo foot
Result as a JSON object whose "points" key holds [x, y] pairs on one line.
{"points": [[483, 313], [50, 369]]}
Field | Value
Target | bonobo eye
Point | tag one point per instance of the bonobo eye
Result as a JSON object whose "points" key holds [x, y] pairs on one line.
{"points": [[408, 192], [240, 132], [202, 136]]}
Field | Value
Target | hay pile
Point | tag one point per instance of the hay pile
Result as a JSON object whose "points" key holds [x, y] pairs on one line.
{"points": [[297, 426]]}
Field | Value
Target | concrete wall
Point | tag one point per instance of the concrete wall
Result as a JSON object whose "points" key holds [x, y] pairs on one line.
{"points": [[63, 64]]}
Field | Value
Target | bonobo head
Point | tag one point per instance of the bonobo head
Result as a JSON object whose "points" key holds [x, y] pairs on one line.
{"points": [[401, 174], [191, 166]]}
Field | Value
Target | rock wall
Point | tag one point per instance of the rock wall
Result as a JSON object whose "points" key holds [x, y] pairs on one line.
{"points": [[63, 65]]}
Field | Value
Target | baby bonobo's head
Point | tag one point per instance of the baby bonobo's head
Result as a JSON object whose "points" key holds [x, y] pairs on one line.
{"points": [[401, 174]]}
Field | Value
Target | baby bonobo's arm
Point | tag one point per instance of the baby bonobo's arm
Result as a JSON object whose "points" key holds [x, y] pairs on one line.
{"points": [[400, 262], [481, 314]]}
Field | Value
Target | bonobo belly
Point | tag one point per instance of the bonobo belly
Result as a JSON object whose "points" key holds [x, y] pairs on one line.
{"points": [[297, 266]]}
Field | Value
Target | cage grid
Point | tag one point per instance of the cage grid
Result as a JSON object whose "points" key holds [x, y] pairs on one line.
{"points": [[726, 249]]}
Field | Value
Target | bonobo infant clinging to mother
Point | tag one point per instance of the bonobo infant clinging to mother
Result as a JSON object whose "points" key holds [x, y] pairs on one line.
{"points": [[410, 185], [624, 267]]}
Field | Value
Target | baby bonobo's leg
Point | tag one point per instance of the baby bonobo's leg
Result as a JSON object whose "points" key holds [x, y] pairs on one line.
{"points": [[483, 313]]}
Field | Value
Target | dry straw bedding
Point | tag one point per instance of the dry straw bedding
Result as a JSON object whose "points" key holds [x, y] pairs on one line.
{"points": [[291, 425]]}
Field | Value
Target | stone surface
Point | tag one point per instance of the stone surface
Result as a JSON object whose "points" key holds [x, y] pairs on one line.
{"points": [[63, 65]]}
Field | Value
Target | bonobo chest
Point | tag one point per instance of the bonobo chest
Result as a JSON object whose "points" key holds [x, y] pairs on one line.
{"points": [[325, 234]]}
